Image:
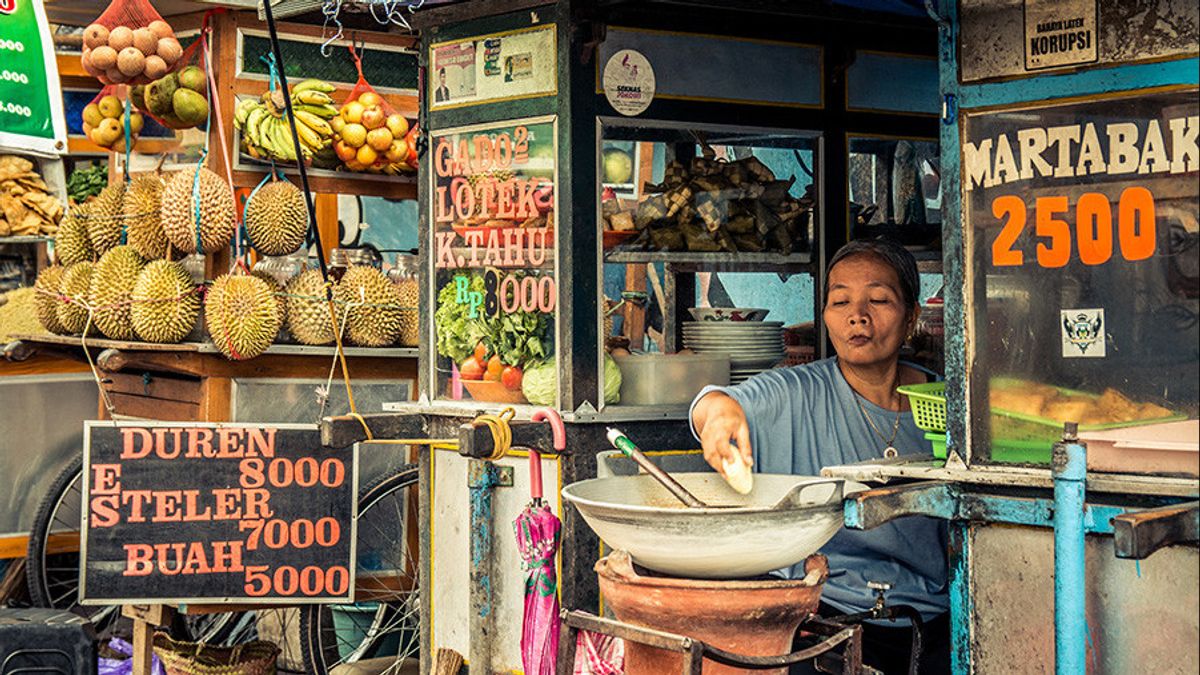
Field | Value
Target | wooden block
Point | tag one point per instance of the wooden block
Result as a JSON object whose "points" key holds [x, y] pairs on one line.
{"points": [[155, 615], [160, 386]]}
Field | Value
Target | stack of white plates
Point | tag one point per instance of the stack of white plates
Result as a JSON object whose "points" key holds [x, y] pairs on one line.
{"points": [[752, 346]]}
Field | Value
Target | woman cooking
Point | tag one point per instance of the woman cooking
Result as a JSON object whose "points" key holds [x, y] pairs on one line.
{"points": [[842, 410]]}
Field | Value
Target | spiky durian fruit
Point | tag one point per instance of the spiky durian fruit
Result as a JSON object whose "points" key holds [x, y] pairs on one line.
{"points": [[142, 210], [46, 299], [165, 302], [308, 318], [112, 290], [278, 290], [71, 243], [242, 315], [215, 225], [104, 218], [374, 317], [76, 285], [276, 218]]}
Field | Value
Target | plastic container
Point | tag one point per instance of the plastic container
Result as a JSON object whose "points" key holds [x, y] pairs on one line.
{"points": [[1007, 451], [669, 379], [1172, 448]]}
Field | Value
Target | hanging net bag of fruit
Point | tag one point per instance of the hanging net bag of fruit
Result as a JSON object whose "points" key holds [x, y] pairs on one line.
{"points": [[130, 44], [178, 99], [110, 122], [370, 134]]}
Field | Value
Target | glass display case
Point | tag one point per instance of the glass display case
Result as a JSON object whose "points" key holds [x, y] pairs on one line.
{"points": [[493, 263], [688, 215], [1083, 288]]}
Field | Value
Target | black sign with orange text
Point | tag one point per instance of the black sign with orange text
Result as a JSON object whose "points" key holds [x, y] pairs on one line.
{"points": [[184, 512]]}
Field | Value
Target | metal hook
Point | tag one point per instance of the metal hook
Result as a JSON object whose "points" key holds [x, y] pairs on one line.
{"points": [[331, 9]]}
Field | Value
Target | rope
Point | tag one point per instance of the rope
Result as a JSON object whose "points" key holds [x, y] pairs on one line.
{"points": [[501, 431], [341, 356], [215, 99], [128, 144], [108, 405]]}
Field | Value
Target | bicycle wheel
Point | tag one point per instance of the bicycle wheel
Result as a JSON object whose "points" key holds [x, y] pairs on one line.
{"points": [[52, 557], [383, 625], [52, 569]]}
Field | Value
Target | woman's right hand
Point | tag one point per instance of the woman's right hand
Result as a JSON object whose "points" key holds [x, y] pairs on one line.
{"points": [[721, 423]]}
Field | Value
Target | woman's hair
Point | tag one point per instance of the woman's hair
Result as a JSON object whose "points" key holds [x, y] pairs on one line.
{"points": [[891, 254]]}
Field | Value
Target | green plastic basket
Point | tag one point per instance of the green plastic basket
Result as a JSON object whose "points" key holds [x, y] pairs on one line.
{"points": [[1008, 451], [928, 403]]}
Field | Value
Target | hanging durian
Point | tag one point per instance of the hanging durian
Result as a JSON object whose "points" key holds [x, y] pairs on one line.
{"points": [[143, 216], [165, 302], [215, 226], [104, 218], [276, 218], [374, 306], [242, 315], [112, 290], [76, 285], [71, 243], [46, 300], [308, 317]]}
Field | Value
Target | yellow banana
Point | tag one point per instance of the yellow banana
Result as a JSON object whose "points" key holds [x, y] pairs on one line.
{"points": [[311, 97], [318, 125], [253, 128], [307, 135]]}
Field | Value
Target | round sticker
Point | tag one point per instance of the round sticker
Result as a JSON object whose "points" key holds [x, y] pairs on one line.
{"points": [[629, 82]]}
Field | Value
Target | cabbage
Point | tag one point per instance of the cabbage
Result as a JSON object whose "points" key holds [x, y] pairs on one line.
{"points": [[540, 382]]}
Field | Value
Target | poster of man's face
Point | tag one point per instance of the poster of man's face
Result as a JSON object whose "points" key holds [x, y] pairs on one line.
{"points": [[454, 66]]}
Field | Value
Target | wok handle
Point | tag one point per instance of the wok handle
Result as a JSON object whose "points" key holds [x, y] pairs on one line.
{"points": [[839, 486]]}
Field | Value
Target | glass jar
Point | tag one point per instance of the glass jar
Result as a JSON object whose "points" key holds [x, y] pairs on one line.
{"points": [[407, 279]]}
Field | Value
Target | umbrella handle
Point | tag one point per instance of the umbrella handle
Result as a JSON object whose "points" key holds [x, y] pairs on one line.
{"points": [[535, 459]]}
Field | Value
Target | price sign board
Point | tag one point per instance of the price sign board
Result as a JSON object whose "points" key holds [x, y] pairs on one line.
{"points": [[179, 512], [31, 108]]}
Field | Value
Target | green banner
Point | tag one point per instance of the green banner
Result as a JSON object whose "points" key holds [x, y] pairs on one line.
{"points": [[31, 113]]}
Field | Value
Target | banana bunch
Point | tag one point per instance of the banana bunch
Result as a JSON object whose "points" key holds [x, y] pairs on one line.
{"points": [[266, 133]]}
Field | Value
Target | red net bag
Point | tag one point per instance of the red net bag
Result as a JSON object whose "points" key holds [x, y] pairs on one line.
{"points": [[369, 135], [108, 120], [178, 99], [130, 44]]}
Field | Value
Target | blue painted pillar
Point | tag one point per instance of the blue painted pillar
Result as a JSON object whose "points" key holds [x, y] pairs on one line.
{"points": [[1070, 628], [482, 479]]}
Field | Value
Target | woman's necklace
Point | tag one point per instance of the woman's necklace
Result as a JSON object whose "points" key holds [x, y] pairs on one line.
{"points": [[890, 451]]}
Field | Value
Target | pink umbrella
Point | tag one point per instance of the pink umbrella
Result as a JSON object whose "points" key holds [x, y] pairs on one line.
{"points": [[538, 531]]}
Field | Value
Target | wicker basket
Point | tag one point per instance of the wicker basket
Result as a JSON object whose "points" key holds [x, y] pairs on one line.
{"points": [[197, 658]]}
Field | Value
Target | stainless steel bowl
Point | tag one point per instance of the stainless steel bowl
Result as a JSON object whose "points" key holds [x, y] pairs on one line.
{"points": [[741, 536]]}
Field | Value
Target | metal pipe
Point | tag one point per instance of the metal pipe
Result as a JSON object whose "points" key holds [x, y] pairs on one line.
{"points": [[1069, 469], [482, 480]]}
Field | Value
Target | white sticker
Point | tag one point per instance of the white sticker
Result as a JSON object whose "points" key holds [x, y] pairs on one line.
{"points": [[629, 82], [1059, 33], [1083, 333], [395, 406]]}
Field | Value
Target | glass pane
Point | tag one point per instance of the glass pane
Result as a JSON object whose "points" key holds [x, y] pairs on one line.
{"points": [[676, 202], [493, 238], [706, 190], [895, 190], [1084, 227]]}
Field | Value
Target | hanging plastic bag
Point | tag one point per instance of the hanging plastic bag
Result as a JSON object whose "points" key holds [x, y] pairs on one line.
{"points": [[110, 122], [179, 99], [370, 134], [129, 44]]}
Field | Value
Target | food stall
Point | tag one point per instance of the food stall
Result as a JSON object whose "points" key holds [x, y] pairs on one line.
{"points": [[1070, 297], [585, 157]]}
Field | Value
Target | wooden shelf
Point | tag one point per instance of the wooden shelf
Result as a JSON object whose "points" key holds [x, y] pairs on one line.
{"points": [[26, 239], [744, 262], [208, 348], [322, 181]]}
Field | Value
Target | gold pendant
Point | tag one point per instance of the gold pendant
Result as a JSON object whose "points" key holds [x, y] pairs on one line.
{"points": [[890, 453]]}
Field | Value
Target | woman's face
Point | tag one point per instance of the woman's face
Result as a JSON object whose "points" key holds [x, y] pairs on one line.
{"points": [[865, 312]]}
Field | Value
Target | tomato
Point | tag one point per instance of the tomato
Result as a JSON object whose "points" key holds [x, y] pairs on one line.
{"points": [[495, 368], [481, 353], [511, 377], [471, 369]]}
